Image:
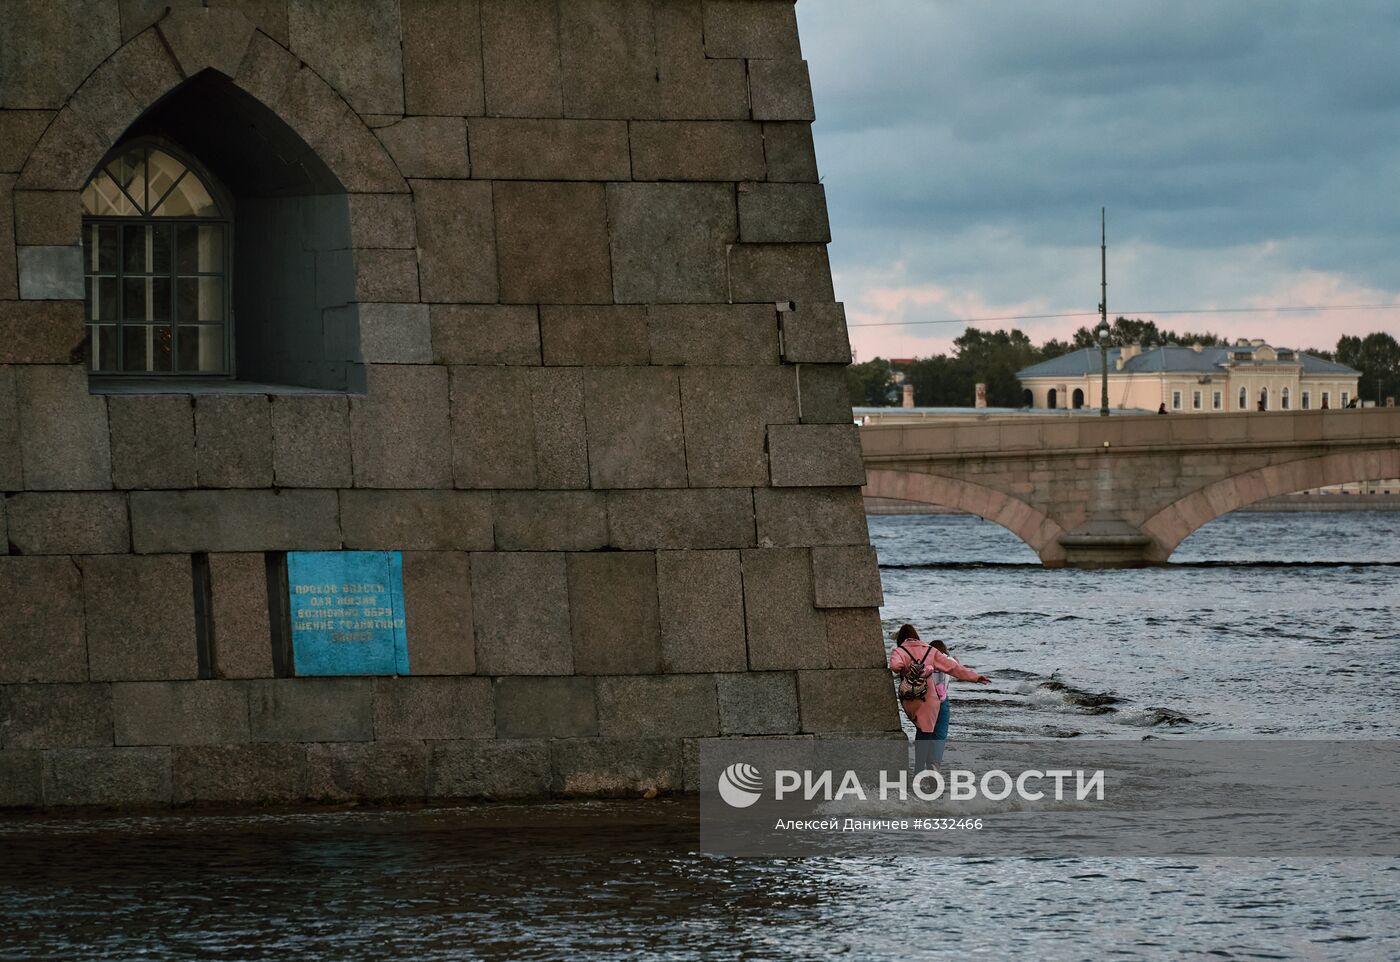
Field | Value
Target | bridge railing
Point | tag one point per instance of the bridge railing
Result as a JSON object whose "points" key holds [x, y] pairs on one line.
{"points": [[1008, 435]]}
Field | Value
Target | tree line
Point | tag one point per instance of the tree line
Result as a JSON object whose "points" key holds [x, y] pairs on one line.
{"points": [[994, 357]]}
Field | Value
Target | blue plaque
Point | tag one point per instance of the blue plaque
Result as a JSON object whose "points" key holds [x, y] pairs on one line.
{"points": [[347, 612]]}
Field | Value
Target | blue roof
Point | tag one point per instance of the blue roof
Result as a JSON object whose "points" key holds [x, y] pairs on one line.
{"points": [[1171, 358]]}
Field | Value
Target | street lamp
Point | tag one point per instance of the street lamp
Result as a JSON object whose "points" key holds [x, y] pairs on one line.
{"points": [[1102, 332]]}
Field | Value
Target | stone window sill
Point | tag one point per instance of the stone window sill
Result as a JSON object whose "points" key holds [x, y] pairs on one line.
{"points": [[197, 386]]}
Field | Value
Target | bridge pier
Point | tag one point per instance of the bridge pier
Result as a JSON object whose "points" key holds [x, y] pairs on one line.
{"points": [[1105, 543]]}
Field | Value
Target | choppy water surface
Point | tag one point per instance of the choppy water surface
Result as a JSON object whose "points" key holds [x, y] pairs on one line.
{"points": [[1301, 641]]}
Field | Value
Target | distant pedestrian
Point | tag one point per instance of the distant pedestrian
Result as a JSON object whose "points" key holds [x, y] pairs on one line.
{"points": [[922, 695], [1162, 408]]}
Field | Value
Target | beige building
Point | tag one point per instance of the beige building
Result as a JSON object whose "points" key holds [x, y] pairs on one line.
{"points": [[1249, 375]]}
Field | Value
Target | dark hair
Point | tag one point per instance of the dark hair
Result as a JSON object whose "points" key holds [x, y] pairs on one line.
{"points": [[905, 633], [939, 645]]}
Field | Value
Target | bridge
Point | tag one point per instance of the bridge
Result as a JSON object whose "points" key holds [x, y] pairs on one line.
{"points": [[1124, 491]]}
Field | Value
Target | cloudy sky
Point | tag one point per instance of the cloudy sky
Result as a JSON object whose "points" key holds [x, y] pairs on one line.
{"points": [[1248, 153]]}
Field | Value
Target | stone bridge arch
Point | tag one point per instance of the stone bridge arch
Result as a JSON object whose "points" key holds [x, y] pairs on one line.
{"points": [[1172, 524], [1040, 532]]}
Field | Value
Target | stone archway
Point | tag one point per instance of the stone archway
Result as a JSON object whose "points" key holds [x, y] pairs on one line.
{"points": [[1173, 524], [1033, 527]]}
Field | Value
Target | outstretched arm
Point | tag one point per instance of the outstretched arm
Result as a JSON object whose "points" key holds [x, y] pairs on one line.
{"points": [[947, 663]]}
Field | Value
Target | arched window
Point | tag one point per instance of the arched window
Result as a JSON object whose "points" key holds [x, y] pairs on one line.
{"points": [[1263, 399], [1078, 398], [1283, 399], [156, 258], [1050, 398], [1244, 399], [1027, 399]]}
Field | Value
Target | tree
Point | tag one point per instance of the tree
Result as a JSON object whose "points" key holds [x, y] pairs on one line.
{"points": [[1377, 357], [1135, 330], [870, 383]]}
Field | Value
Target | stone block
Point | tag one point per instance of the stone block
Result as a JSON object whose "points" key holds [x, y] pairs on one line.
{"points": [[47, 217], [613, 612], [489, 769], [506, 149], [388, 275], [204, 36], [727, 414], [813, 455], [378, 771], [9, 269], [442, 57], [781, 90], [107, 776], [395, 334], [607, 53], [596, 335], [846, 577], [65, 155], [457, 240], [48, 48], [311, 441], [669, 242], [356, 47], [242, 635], [246, 774], [546, 707], [428, 146], [311, 710], [443, 707], [179, 713], [416, 520], [520, 610], [11, 468], [823, 395], [55, 716], [41, 622], [658, 705], [561, 435], [785, 629], [553, 243], [92, 522], [591, 767], [713, 334], [789, 152], [520, 57], [152, 441], [758, 703], [41, 332], [854, 639], [816, 333], [493, 442], [635, 433], [550, 520], [233, 441], [780, 272], [795, 517], [847, 700], [697, 150], [437, 592], [235, 520], [684, 518], [486, 334], [700, 597], [19, 132], [751, 29], [148, 69], [50, 272], [399, 432], [382, 221], [21, 779], [783, 213], [139, 613]]}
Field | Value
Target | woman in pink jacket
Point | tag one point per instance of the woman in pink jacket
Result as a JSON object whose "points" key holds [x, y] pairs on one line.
{"points": [[915, 661]]}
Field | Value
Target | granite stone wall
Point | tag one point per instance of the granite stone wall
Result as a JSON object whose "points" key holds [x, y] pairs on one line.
{"points": [[603, 411]]}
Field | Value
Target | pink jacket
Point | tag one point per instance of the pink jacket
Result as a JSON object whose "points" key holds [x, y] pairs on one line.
{"points": [[924, 713]]}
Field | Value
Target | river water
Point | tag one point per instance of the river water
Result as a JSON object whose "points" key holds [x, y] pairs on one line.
{"points": [[1266, 625]]}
